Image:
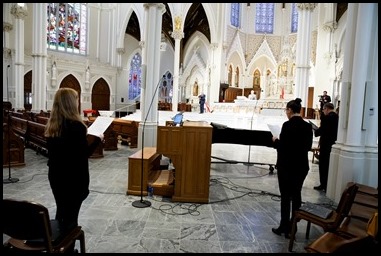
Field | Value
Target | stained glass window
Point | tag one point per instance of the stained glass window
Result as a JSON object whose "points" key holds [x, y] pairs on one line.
{"points": [[166, 88], [234, 14], [264, 18], [67, 27], [294, 19], [135, 77]]}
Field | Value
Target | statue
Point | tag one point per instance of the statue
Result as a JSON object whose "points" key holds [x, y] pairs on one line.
{"points": [[177, 23]]}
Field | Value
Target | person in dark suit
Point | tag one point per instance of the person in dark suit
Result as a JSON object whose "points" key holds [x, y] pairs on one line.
{"points": [[328, 135], [293, 145], [201, 101], [69, 148], [325, 98]]}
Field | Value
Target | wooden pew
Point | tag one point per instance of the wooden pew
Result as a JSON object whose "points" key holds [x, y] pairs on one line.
{"points": [[110, 139], [110, 136], [41, 119], [33, 134], [13, 148], [128, 130], [35, 137], [19, 126]]}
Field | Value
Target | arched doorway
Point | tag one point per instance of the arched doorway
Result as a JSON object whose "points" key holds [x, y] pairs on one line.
{"points": [[28, 91], [100, 95], [71, 82]]}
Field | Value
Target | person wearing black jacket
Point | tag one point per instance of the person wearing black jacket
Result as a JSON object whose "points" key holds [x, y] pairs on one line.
{"points": [[69, 148], [328, 135], [201, 101], [293, 145], [325, 98]]}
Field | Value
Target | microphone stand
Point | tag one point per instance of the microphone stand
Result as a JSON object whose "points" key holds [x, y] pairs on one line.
{"points": [[10, 179], [251, 128], [144, 203]]}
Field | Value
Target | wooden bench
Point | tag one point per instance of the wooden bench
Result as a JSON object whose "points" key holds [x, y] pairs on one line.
{"points": [[42, 119], [127, 130], [110, 136], [19, 126], [35, 137], [33, 133], [13, 148], [151, 163]]}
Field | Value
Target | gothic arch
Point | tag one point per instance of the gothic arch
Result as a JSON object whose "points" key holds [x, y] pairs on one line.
{"points": [[71, 82], [27, 90], [100, 95]]}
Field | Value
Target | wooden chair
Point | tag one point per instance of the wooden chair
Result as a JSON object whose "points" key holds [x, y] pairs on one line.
{"points": [[331, 242], [329, 224], [350, 237], [31, 230]]}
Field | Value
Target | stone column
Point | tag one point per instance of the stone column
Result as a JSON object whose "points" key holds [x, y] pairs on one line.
{"points": [[19, 11], [303, 46], [39, 54], [7, 57], [355, 156], [177, 34], [151, 67]]}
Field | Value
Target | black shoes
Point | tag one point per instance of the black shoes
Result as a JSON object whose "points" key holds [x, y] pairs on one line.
{"points": [[279, 231], [320, 188]]}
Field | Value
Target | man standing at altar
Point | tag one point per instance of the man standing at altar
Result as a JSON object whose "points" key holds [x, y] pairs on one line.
{"points": [[201, 101], [252, 95]]}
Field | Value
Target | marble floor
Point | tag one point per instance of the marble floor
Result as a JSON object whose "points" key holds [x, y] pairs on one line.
{"points": [[243, 206]]}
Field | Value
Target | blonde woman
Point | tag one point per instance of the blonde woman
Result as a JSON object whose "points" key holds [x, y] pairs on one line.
{"points": [[68, 153]]}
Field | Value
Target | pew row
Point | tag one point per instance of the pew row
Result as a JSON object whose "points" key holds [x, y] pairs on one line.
{"points": [[33, 136]]}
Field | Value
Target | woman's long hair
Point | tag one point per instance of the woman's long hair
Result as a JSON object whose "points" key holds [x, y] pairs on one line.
{"points": [[65, 107]]}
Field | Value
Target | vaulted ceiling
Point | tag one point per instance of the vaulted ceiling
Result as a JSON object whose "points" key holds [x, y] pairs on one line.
{"points": [[195, 21]]}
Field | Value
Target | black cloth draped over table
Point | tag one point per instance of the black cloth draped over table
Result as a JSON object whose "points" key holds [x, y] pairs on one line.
{"points": [[224, 134]]}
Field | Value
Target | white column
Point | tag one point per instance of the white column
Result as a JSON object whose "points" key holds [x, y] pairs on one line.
{"points": [[151, 59], [303, 46], [39, 54], [355, 156], [177, 34], [19, 11], [7, 57]]}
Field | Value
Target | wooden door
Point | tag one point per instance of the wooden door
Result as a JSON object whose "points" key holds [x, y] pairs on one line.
{"points": [[28, 90], [71, 82], [100, 95]]}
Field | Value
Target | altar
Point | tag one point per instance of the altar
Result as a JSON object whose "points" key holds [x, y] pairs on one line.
{"points": [[243, 105]]}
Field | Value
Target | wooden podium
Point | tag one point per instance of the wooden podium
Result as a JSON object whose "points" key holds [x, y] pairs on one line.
{"points": [[189, 148]]}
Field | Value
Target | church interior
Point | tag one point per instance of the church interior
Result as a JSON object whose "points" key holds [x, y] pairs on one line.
{"points": [[143, 63]]}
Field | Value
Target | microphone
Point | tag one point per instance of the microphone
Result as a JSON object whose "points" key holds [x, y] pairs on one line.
{"points": [[145, 203]]}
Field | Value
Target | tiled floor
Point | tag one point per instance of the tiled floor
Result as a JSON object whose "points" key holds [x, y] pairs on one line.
{"points": [[243, 206]]}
